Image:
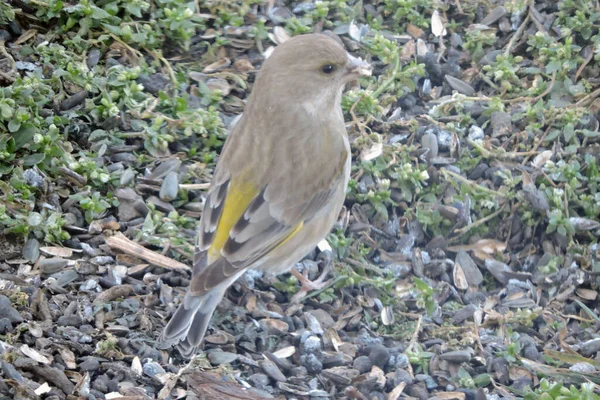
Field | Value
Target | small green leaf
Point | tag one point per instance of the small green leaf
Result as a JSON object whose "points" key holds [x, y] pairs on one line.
{"points": [[14, 125], [24, 135], [33, 159], [568, 132], [98, 13], [34, 219]]}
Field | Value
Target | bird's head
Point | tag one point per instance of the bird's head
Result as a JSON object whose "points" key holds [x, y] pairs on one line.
{"points": [[312, 67]]}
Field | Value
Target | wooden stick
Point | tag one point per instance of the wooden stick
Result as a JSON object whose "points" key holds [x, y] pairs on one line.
{"points": [[121, 242]]}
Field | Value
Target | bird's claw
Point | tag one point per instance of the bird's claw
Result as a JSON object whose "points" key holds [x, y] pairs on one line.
{"points": [[307, 284]]}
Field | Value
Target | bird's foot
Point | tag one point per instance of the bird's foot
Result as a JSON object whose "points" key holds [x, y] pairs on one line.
{"points": [[307, 284]]}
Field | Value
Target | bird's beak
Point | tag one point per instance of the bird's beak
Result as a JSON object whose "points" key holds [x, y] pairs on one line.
{"points": [[357, 67]]}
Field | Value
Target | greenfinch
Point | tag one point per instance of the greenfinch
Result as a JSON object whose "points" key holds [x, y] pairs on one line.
{"points": [[280, 182]]}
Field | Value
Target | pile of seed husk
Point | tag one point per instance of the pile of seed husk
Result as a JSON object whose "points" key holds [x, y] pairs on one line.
{"points": [[463, 266]]}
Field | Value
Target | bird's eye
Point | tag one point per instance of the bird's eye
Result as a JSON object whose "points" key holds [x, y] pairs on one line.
{"points": [[327, 69]]}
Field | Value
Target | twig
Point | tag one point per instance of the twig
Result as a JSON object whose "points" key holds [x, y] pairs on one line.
{"points": [[133, 51], [163, 60], [471, 183], [121, 242], [415, 335], [536, 98], [592, 96], [481, 221], [488, 81], [11, 60], [516, 36], [585, 63], [535, 147], [388, 81], [355, 119], [194, 186]]}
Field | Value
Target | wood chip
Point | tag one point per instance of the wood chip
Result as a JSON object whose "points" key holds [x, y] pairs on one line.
{"points": [[121, 242], [35, 355], [113, 293], [57, 251], [42, 389]]}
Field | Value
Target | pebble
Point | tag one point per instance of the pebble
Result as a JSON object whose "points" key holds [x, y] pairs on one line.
{"points": [[323, 317], [8, 311], [272, 370], [313, 324], [336, 359], [464, 314], [93, 58], [260, 381], [31, 250], [5, 325], [69, 320], [74, 100], [154, 83], [312, 363], [152, 369], [10, 372], [363, 364], [402, 376], [90, 364], [379, 355], [222, 357], [50, 266], [169, 187], [33, 178], [472, 273], [476, 133], [458, 356], [428, 379], [311, 345], [399, 361]]}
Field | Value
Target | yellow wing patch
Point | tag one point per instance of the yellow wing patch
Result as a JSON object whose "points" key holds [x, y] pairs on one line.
{"points": [[291, 235], [239, 196]]}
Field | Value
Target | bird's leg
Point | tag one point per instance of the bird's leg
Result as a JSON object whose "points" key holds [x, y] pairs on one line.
{"points": [[307, 284]]}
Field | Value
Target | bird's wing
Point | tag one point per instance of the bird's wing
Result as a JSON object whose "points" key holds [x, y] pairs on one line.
{"points": [[242, 223]]}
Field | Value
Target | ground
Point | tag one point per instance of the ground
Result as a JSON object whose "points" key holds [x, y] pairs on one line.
{"points": [[464, 265]]}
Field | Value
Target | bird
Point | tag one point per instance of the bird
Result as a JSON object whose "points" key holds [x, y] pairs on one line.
{"points": [[280, 181]]}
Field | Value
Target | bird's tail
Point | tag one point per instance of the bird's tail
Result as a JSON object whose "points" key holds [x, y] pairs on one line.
{"points": [[188, 325]]}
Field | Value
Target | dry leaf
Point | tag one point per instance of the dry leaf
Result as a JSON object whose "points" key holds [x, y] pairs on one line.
{"points": [[587, 294], [449, 396], [483, 249], [335, 339], [136, 366], [354, 32], [57, 251], [68, 357], [408, 50], [211, 386], [540, 160], [217, 66], [170, 383], [279, 35], [415, 31], [372, 152], [397, 392], [460, 280], [35, 355], [437, 25], [527, 181], [285, 352], [387, 315]]}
